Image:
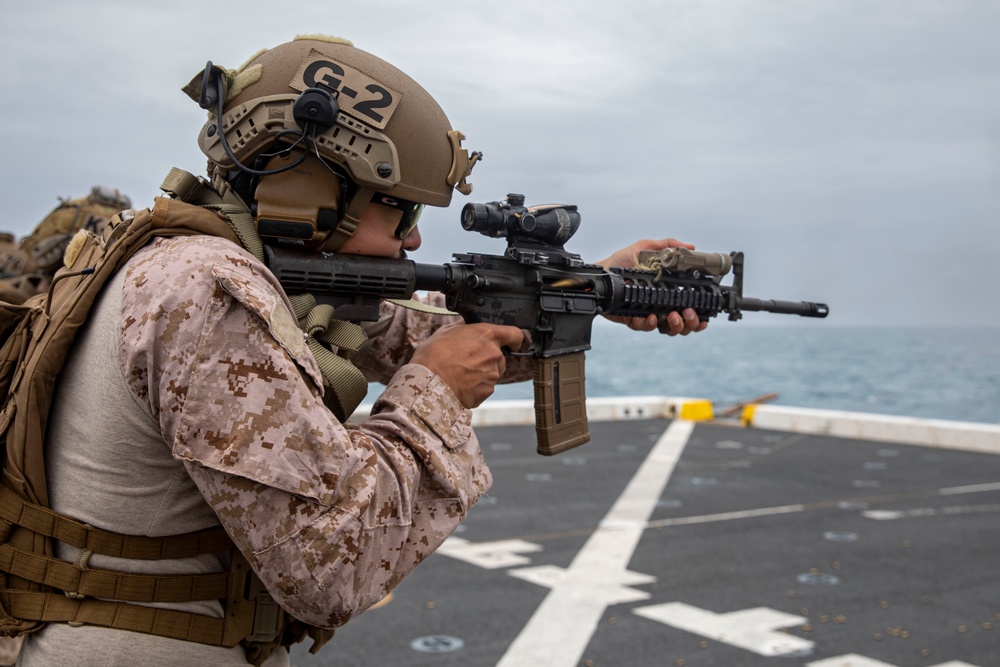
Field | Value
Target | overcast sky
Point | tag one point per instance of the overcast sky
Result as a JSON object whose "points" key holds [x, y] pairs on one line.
{"points": [[850, 148]]}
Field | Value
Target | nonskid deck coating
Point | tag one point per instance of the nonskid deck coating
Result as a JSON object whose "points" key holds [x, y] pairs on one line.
{"points": [[763, 548]]}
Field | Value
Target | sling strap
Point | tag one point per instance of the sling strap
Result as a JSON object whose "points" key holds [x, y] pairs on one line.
{"points": [[346, 386]]}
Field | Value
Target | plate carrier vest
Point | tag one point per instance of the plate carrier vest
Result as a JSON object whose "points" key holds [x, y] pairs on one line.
{"points": [[36, 587]]}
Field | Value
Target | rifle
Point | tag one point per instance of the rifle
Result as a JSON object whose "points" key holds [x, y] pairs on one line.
{"points": [[539, 286]]}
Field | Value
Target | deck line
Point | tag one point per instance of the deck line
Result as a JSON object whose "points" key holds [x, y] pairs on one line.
{"points": [[561, 628]]}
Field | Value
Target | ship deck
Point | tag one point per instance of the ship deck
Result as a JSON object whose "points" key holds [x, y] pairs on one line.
{"points": [[666, 542]]}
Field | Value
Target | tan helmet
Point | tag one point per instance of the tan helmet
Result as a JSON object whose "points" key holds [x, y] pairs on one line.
{"points": [[13, 260], [50, 237], [18, 278], [353, 111]]}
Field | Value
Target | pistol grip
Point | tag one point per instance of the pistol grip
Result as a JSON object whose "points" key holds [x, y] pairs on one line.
{"points": [[560, 403]]}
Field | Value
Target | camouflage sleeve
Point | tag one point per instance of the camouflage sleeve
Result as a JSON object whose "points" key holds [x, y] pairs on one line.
{"points": [[393, 338], [330, 519]]}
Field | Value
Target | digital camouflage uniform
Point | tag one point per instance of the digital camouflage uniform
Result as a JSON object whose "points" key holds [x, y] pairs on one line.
{"points": [[191, 398]]}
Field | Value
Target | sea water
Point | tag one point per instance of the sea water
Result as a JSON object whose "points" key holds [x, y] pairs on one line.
{"points": [[933, 373]]}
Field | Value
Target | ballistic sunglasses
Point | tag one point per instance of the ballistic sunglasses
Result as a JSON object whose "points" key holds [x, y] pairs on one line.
{"points": [[411, 213]]}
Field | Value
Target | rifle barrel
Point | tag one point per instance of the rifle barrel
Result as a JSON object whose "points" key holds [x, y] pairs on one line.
{"points": [[803, 308]]}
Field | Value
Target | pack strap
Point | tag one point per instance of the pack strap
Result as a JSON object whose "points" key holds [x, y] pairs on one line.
{"points": [[190, 189], [44, 521]]}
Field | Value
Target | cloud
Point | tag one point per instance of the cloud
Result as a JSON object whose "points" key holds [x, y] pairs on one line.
{"points": [[849, 147]]}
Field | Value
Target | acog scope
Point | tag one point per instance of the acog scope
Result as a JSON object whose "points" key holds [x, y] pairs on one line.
{"points": [[551, 224]]}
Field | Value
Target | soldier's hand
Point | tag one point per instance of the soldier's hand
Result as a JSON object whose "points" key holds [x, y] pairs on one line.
{"points": [[469, 358], [681, 323], [625, 257]]}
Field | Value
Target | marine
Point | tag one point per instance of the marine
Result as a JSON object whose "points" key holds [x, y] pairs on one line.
{"points": [[27, 266], [210, 506]]}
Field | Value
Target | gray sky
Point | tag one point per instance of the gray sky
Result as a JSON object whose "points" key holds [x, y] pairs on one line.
{"points": [[850, 148]]}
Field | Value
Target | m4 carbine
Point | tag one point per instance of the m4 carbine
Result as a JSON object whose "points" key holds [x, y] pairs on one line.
{"points": [[538, 286]]}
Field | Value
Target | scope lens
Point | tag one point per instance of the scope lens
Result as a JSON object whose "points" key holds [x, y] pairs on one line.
{"points": [[469, 216]]}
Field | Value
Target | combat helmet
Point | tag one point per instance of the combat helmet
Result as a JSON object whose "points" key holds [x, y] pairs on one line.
{"points": [[320, 107], [18, 280], [13, 260], [47, 243]]}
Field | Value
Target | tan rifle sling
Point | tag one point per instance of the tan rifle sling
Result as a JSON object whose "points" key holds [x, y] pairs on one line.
{"points": [[37, 588]]}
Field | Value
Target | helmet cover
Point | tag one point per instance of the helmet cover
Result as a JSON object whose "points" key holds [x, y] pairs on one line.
{"points": [[389, 134]]}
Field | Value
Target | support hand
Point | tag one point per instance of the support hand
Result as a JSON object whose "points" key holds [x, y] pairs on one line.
{"points": [[681, 323]]}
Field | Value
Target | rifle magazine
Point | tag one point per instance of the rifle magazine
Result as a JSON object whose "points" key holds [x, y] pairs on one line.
{"points": [[560, 403]]}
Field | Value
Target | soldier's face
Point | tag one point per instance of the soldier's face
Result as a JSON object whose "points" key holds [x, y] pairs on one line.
{"points": [[376, 234]]}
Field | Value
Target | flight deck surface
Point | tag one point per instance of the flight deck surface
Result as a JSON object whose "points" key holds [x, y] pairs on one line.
{"points": [[671, 543]]}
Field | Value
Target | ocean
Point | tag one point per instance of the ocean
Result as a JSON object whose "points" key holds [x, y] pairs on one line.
{"points": [[933, 373]]}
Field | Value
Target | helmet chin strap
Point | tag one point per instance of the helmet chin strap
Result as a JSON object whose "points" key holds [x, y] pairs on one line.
{"points": [[350, 220]]}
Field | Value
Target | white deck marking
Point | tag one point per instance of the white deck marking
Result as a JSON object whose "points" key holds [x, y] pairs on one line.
{"points": [[751, 629], [791, 509], [972, 488], [919, 512], [855, 660], [560, 629], [850, 660], [727, 516], [489, 555]]}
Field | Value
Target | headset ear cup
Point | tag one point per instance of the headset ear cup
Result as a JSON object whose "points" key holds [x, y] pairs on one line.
{"points": [[317, 107]]}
